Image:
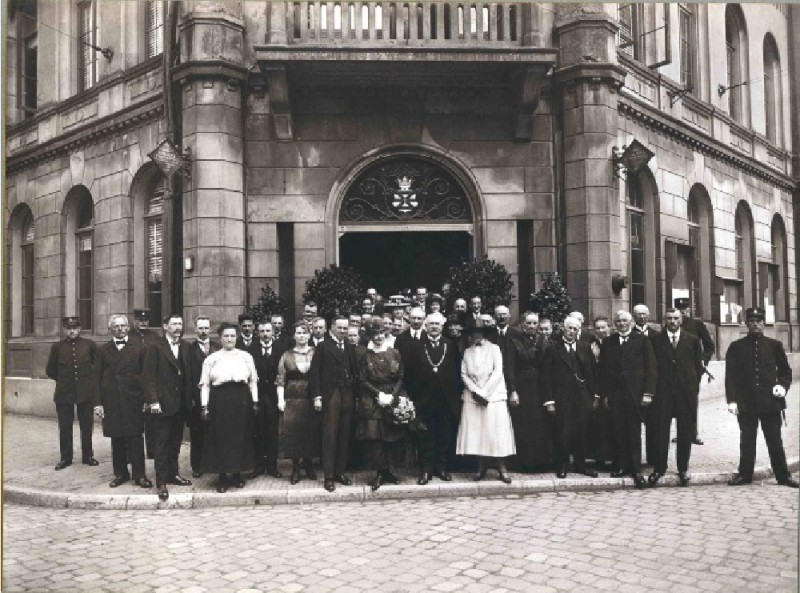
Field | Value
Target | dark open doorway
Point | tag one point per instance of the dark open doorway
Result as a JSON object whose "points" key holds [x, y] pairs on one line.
{"points": [[391, 261]]}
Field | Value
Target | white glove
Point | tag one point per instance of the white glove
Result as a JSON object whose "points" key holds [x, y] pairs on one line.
{"points": [[281, 405], [779, 391], [155, 408], [99, 411], [384, 399], [733, 408]]}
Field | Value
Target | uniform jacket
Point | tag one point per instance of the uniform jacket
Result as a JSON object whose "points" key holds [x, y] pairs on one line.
{"points": [[267, 370], [194, 368], [753, 366], [679, 370], [564, 381], [429, 389], [164, 377], [699, 329], [71, 365], [119, 379], [627, 370], [329, 366]]}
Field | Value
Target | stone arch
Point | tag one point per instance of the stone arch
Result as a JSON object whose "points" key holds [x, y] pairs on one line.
{"points": [[19, 271], [700, 212], [644, 182], [77, 214]]}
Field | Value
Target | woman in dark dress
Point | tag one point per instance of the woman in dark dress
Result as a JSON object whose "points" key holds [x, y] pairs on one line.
{"points": [[532, 426], [228, 394], [301, 436], [381, 386]]}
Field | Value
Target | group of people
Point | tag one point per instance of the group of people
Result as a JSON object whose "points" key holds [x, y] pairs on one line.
{"points": [[467, 389]]}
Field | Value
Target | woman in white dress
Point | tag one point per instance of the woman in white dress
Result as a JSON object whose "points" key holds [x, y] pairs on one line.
{"points": [[485, 429]]}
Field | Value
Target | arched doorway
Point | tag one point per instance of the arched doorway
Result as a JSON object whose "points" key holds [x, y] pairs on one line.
{"points": [[403, 222]]}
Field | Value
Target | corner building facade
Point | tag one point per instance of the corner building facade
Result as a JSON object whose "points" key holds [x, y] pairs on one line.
{"points": [[397, 138]]}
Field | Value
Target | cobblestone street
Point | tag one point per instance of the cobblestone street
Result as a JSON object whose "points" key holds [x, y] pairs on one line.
{"points": [[713, 538]]}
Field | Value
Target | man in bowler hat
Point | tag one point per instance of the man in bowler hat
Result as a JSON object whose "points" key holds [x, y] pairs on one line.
{"points": [[71, 365]]}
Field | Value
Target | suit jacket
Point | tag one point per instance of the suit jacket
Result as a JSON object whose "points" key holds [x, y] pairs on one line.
{"points": [[680, 370], [566, 382], [145, 336], [627, 370], [164, 377], [404, 342], [506, 347], [194, 368], [430, 389], [71, 365], [240, 342], [699, 329], [313, 345], [752, 368], [119, 388], [329, 367], [267, 369]]}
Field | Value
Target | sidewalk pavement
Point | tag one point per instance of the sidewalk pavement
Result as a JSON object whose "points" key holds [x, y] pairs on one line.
{"points": [[30, 451]]}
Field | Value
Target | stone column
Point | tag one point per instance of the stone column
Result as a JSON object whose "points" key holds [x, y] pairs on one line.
{"points": [[211, 78], [589, 78]]}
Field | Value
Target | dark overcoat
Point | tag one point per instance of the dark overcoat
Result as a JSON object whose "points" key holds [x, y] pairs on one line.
{"points": [[627, 370], [565, 382], [679, 371], [164, 377], [429, 389], [71, 365], [120, 392], [329, 366]]}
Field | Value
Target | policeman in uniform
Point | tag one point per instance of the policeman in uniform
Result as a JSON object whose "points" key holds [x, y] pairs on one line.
{"points": [[142, 334], [757, 377], [72, 366]]}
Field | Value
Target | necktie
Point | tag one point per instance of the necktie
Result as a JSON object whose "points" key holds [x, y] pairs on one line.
{"points": [[675, 341], [623, 339], [203, 346], [341, 345]]}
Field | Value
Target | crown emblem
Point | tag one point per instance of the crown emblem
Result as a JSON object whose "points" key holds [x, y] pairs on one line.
{"points": [[404, 183]]}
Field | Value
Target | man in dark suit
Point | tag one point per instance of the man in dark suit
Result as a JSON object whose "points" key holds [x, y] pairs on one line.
{"points": [[319, 329], [404, 342], [277, 322], [247, 328], [757, 377], [433, 372], [119, 399], [628, 375], [699, 329], [502, 335], [332, 378], [583, 336], [568, 393], [679, 356], [641, 318], [141, 332], [475, 310], [164, 389], [197, 352], [266, 354], [71, 365]]}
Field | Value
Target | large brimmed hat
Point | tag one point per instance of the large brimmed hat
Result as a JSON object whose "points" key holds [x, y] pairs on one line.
{"points": [[373, 326], [396, 301], [484, 324]]}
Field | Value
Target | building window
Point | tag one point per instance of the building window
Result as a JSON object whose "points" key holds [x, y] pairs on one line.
{"points": [[736, 50], [701, 239], [636, 242], [87, 37], [738, 293], [773, 98], [84, 261], [28, 234], [154, 246], [154, 28], [775, 300], [631, 26], [688, 45]]}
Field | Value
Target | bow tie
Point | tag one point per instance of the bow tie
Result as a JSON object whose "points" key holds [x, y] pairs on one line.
{"points": [[435, 343], [120, 342]]}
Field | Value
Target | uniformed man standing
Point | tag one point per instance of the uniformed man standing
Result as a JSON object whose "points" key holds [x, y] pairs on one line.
{"points": [[142, 333], [71, 365], [757, 377]]}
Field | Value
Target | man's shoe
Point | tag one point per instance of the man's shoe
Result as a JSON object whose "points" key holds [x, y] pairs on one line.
{"points": [[424, 478], [237, 480], [180, 481], [639, 481], [259, 470], [62, 464], [143, 483], [789, 482], [196, 474], [330, 486], [163, 493], [344, 480], [654, 478], [388, 477], [275, 472], [91, 461], [684, 478], [118, 481], [443, 476], [376, 482], [698, 441], [295, 477], [561, 473], [590, 473], [738, 480]]}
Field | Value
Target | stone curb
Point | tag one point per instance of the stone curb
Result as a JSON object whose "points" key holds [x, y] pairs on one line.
{"points": [[358, 493]]}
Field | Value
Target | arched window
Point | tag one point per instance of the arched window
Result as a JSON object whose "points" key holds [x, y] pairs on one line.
{"points": [[739, 292], [737, 68], [79, 255], [641, 204], [773, 97], [701, 239], [21, 234], [149, 256], [154, 246], [775, 280]]}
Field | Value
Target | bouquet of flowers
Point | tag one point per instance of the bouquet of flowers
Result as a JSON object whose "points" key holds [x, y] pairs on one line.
{"points": [[404, 411]]}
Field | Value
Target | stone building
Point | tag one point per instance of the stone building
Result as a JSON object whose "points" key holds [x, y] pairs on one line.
{"points": [[398, 138]]}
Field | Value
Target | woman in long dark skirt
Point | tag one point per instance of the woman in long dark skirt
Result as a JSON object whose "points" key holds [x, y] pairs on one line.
{"points": [[301, 434], [228, 394]]}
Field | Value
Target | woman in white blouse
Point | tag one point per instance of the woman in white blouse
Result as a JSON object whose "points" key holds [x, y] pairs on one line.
{"points": [[485, 429], [228, 394]]}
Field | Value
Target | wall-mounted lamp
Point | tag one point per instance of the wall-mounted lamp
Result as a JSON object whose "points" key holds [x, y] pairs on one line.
{"points": [[722, 89], [618, 282], [188, 263]]}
